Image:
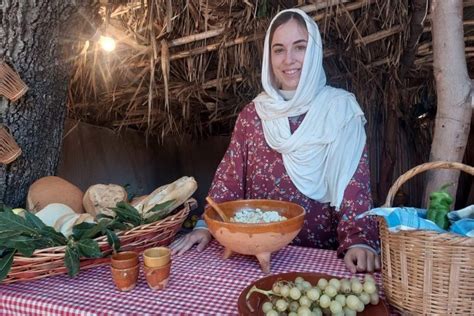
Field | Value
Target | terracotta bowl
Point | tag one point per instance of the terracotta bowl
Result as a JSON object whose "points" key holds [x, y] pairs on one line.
{"points": [[261, 239]]}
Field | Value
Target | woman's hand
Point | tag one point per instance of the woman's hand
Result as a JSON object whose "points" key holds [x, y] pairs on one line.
{"points": [[202, 237], [360, 259]]}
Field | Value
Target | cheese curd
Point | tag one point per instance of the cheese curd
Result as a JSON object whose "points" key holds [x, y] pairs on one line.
{"points": [[255, 216]]}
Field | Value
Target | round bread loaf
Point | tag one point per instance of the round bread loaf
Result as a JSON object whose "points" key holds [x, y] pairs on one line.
{"points": [[66, 227], [100, 198], [55, 213], [52, 189]]}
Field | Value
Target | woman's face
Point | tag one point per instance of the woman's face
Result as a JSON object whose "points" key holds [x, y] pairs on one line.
{"points": [[288, 48]]}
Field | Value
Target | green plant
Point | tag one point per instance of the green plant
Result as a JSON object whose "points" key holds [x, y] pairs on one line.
{"points": [[439, 206], [25, 235]]}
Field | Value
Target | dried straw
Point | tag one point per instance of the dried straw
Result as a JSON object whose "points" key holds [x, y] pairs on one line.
{"points": [[188, 67]]}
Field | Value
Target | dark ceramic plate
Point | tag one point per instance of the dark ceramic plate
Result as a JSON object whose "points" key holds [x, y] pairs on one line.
{"points": [[256, 300]]}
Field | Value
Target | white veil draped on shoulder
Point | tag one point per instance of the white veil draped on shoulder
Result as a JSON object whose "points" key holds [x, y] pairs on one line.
{"points": [[322, 155]]}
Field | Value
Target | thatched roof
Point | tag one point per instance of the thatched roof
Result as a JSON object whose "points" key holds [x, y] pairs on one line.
{"points": [[190, 66]]}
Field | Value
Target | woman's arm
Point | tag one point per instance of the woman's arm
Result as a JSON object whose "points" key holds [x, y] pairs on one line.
{"points": [[358, 238], [357, 200], [229, 179]]}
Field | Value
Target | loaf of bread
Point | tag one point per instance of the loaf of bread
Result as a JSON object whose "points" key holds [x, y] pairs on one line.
{"points": [[66, 227], [55, 212], [179, 191], [62, 218], [100, 198], [52, 189]]}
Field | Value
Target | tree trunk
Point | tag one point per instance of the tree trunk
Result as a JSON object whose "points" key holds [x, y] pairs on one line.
{"points": [[453, 116], [36, 38]]}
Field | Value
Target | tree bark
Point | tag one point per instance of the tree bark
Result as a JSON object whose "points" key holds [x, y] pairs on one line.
{"points": [[453, 86], [36, 38]]}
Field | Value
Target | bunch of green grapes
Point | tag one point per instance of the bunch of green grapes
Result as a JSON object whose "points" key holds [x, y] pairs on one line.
{"points": [[334, 297]]}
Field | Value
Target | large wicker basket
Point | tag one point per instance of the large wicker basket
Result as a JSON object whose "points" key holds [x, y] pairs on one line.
{"points": [[50, 261], [424, 272]]}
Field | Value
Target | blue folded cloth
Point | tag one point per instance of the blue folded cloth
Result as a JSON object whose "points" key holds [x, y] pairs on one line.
{"points": [[467, 212], [463, 227], [412, 218], [404, 218]]}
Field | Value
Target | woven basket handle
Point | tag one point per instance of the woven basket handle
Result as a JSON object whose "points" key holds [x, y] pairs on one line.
{"points": [[422, 168]]}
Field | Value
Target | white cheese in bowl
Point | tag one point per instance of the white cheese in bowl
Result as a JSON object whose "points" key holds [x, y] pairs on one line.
{"points": [[255, 216]]}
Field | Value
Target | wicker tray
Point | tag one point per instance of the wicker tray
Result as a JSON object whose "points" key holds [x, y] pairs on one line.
{"points": [[50, 261], [424, 272]]}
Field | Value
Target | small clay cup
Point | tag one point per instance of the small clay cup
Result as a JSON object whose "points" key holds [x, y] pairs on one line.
{"points": [[157, 278], [125, 279], [156, 257], [124, 260]]}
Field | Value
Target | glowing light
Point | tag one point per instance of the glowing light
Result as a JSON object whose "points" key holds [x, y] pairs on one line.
{"points": [[107, 43]]}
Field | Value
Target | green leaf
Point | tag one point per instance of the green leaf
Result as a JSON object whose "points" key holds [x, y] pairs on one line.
{"points": [[6, 263], [113, 240], [116, 225], [88, 248], [89, 230], [161, 211], [52, 237], [33, 220], [84, 228], [11, 221], [155, 217], [71, 260], [161, 206], [4, 208], [23, 244], [128, 214], [7, 234]]}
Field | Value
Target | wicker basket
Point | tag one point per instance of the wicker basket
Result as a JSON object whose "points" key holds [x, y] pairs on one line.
{"points": [[11, 85], [424, 272], [9, 149], [50, 261]]}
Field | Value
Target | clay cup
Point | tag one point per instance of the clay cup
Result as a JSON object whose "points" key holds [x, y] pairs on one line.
{"points": [[125, 279], [157, 278], [124, 260], [156, 257]]}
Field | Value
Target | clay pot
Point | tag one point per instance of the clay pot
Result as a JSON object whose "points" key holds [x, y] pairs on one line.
{"points": [[125, 259], [125, 279], [156, 257], [157, 278], [261, 239]]}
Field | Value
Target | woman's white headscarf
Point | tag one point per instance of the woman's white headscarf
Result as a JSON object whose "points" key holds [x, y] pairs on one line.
{"points": [[322, 155]]}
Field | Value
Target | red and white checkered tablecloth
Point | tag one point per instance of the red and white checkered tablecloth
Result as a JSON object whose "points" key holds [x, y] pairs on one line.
{"points": [[201, 283]]}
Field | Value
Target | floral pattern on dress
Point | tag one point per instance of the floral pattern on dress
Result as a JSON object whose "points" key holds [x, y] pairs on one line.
{"points": [[250, 169]]}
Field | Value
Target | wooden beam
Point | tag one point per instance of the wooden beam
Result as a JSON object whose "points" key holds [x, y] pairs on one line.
{"points": [[378, 35]]}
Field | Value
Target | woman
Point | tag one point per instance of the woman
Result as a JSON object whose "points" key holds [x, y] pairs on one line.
{"points": [[301, 141]]}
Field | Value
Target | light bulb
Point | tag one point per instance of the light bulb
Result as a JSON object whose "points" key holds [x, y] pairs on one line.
{"points": [[107, 43]]}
